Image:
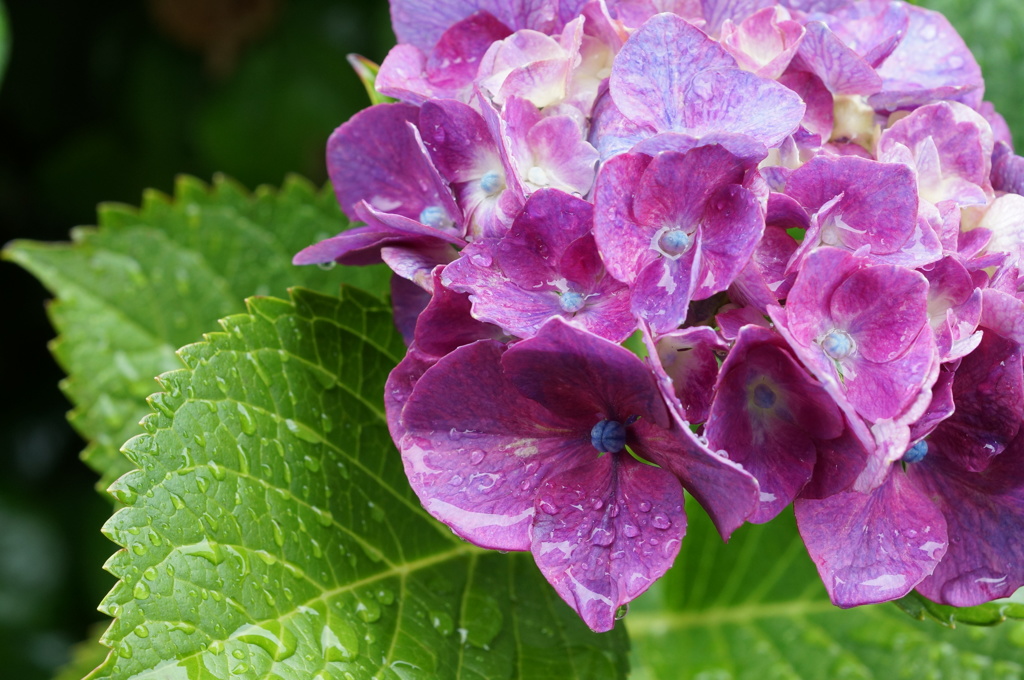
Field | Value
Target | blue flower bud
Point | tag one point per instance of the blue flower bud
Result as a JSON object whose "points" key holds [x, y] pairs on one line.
{"points": [[916, 452], [571, 302], [608, 436], [837, 344]]}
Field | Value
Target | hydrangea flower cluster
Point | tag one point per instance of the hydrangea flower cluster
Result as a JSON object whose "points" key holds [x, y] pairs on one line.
{"points": [[803, 209]]}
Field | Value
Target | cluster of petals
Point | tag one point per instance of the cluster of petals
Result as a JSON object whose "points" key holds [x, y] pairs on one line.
{"points": [[800, 216]]}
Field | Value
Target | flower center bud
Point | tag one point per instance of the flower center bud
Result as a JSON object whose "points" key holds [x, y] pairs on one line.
{"points": [[492, 182], [837, 344], [764, 396], [571, 302], [435, 216], [916, 452], [671, 242], [608, 436], [538, 176]]}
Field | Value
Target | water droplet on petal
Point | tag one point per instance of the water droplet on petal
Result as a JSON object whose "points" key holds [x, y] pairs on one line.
{"points": [[661, 522], [631, 531], [476, 457], [621, 612], [645, 506]]}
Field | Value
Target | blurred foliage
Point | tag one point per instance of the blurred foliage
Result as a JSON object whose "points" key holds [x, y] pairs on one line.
{"points": [[111, 97]]}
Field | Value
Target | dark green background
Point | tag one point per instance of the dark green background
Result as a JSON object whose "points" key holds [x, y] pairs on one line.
{"points": [[100, 102]]}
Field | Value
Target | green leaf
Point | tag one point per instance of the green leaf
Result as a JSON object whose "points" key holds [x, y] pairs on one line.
{"points": [[270, 532], [367, 72], [756, 609], [85, 656], [150, 280], [989, 614]]}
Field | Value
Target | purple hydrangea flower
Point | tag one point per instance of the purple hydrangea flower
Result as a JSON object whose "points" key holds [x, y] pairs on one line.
{"points": [[536, 459], [675, 227], [547, 265]]}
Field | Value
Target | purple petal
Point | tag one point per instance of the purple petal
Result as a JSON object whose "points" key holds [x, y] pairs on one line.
{"points": [[952, 147], [376, 157], [663, 290], [1003, 313], [767, 413], [727, 492], [567, 161], [878, 205], [985, 515], [624, 244], [579, 375], [417, 264], [605, 531], [453, 63], [476, 468], [988, 391], [819, 116], [1008, 171], [931, 63], [446, 324], [765, 42], [423, 22], [403, 76], [716, 12], [689, 359], [458, 139], [872, 29], [873, 547], [675, 188], [408, 301], [732, 228], [842, 70], [653, 71], [740, 103]]}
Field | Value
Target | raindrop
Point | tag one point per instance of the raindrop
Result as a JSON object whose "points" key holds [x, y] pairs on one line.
{"points": [[273, 637], [339, 642], [481, 259], [368, 610], [661, 522], [218, 471], [278, 533], [631, 531], [621, 612], [141, 631], [141, 590], [442, 623], [645, 506], [327, 266], [245, 420], [124, 494], [602, 536], [324, 517], [476, 457]]}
